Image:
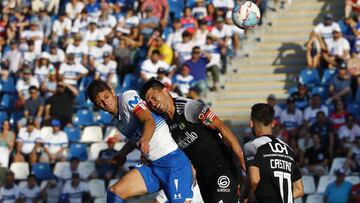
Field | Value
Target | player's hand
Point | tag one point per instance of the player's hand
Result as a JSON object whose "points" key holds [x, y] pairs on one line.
{"points": [[119, 159], [144, 146]]}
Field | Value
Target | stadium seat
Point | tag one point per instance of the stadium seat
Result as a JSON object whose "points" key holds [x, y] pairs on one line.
{"points": [[315, 198], [298, 200], [87, 168], [46, 130], [95, 149], [59, 166], [320, 90], [112, 131], [5, 101], [104, 118], [310, 77], [92, 134], [79, 151], [119, 145], [15, 117], [100, 200], [131, 81], [327, 76], [309, 184], [73, 133], [20, 169], [4, 158], [42, 171], [292, 90], [336, 164], [84, 117], [80, 100], [97, 188], [353, 179], [324, 182], [3, 116], [357, 96], [8, 86]]}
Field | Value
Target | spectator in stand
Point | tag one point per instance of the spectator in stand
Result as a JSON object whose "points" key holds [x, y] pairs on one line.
{"points": [[317, 157], [61, 28], [73, 9], [52, 190], [149, 23], [337, 48], [28, 142], [35, 35], [176, 35], [97, 52], [55, 144], [57, 55], [135, 39], [23, 84], [9, 192], [201, 34], [291, 117], [325, 29], [106, 71], [350, 130], [311, 111], [353, 157], [31, 192], [338, 191], [313, 51], [166, 53], [79, 49], [160, 9], [127, 21], [322, 128], [73, 168], [93, 9], [351, 5], [123, 59], [81, 24], [30, 55], [150, 66], [183, 49], [106, 20], [337, 117], [44, 22], [271, 100], [43, 67], [92, 34], [7, 142], [162, 77], [188, 22], [71, 72], [340, 85], [197, 65], [75, 191], [182, 81], [104, 168], [13, 58], [350, 29], [48, 87], [301, 96], [34, 108], [61, 105], [355, 193]]}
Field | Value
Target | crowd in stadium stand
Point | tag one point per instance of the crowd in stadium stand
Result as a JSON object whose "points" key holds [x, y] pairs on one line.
{"points": [[50, 50], [320, 119]]}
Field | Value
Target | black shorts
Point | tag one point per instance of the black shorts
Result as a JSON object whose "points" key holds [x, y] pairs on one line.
{"points": [[222, 186]]}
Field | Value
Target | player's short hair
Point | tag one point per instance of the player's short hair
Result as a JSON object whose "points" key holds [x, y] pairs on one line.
{"points": [[95, 88], [262, 113], [151, 83]]}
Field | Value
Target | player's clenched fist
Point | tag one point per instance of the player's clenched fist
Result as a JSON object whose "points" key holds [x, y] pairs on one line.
{"points": [[119, 159], [144, 146]]}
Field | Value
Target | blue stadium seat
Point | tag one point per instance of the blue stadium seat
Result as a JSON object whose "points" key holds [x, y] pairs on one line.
{"points": [[354, 108], [310, 77], [320, 90], [3, 116], [5, 101], [131, 81], [81, 101], [42, 171], [8, 86], [15, 117], [292, 90], [327, 76], [84, 117], [104, 118], [79, 151], [73, 133], [357, 95]]}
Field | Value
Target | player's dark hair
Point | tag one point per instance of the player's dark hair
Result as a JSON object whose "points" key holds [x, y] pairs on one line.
{"points": [[95, 88], [151, 83], [262, 113]]}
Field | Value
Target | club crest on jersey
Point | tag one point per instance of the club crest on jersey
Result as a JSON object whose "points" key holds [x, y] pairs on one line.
{"points": [[223, 183], [181, 126], [206, 116]]}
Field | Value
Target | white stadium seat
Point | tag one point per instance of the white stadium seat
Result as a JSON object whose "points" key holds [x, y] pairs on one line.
{"points": [[59, 167], [95, 149], [119, 145], [336, 164], [97, 187], [92, 134], [309, 184], [100, 200], [324, 182], [112, 131], [298, 200], [353, 179], [87, 167], [315, 198], [20, 169]]}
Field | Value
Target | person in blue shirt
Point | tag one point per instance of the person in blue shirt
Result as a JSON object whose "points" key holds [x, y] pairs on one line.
{"points": [[350, 28], [104, 167], [338, 191]]}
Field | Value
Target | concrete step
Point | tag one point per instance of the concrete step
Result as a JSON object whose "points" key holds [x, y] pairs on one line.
{"points": [[291, 51], [260, 77], [294, 30], [232, 86], [314, 13], [267, 69], [270, 46], [237, 103], [286, 37], [290, 60], [291, 22], [253, 94], [314, 5]]}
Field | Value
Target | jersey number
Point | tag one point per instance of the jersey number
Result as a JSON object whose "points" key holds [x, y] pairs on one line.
{"points": [[287, 176]]}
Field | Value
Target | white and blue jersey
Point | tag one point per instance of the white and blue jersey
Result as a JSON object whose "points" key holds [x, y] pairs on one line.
{"points": [[9, 195], [170, 169]]}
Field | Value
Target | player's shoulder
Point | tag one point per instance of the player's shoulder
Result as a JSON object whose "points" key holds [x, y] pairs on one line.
{"points": [[129, 94], [185, 104], [252, 147]]}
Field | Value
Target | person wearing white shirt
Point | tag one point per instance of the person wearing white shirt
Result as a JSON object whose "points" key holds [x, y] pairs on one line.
{"points": [[183, 49], [55, 144], [28, 142], [57, 56], [271, 100], [30, 55], [79, 49], [291, 117], [106, 71], [9, 192], [73, 168], [311, 111], [72, 72], [125, 23], [176, 36], [34, 34], [150, 66], [76, 191], [81, 22], [201, 34], [106, 21], [326, 28], [183, 81], [337, 47], [23, 84], [44, 68], [93, 34], [350, 130], [30, 193], [222, 32], [97, 52], [74, 8], [61, 26]]}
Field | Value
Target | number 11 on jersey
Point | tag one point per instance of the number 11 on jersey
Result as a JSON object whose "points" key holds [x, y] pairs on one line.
{"points": [[287, 176]]}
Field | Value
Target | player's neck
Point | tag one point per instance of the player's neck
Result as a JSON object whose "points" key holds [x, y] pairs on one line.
{"points": [[171, 109], [263, 132]]}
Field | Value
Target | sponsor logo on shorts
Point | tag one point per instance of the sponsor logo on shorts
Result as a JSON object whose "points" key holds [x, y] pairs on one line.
{"points": [[223, 183], [177, 196]]}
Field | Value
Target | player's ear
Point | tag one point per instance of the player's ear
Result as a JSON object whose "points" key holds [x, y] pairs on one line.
{"points": [[251, 124], [273, 123]]}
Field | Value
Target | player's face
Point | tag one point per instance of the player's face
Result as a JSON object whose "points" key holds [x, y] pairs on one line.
{"points": [[156, 100], [106, 100]]}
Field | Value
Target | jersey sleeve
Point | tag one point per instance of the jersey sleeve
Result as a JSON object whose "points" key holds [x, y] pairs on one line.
{"points": [[196, 112], [296, 173], [133, 102], [251, 155]]}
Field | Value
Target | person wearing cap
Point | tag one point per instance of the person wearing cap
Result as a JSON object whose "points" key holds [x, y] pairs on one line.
{"points": [[291, 117], [325, 29], [337, 48], [302, 96], [189, 23], [61, 27], [28, 144], [338, 191], [24, 83], [151, 65], [13, 58], [55, 144], [340, 84], [182, 50], [96, 53], [34, 34], [106, 70], [183, 81], [79, 49], [43, 67], [75, 191], [72, 72], [149, 23], [104, 168]]}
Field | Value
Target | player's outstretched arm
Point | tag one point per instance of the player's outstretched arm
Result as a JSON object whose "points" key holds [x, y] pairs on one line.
{"points": [[148, 129], [298, 188]]}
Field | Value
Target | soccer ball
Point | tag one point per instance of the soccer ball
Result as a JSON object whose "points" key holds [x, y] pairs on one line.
{"points": [[245, 14]]}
